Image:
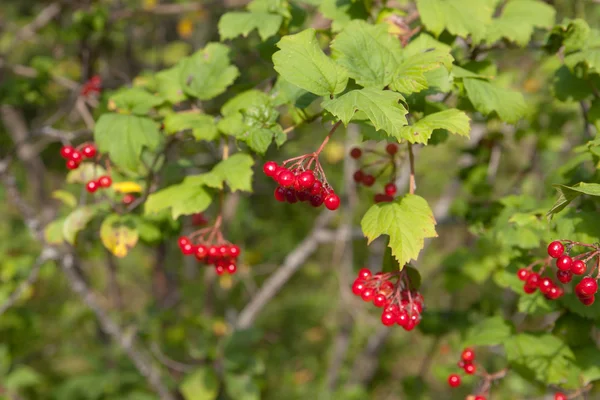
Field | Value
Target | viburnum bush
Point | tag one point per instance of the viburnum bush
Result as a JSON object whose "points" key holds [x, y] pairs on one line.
{"points": [[447, 153]]}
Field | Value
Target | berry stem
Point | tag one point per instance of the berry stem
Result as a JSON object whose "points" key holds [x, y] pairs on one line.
{"points": [[574, 243], [322, 146], [412, 184]]}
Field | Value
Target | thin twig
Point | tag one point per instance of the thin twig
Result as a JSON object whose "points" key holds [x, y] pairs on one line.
{"points": [[411, 157]]}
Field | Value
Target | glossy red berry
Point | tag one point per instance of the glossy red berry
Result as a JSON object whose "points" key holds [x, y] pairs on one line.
{"points": [[555, 292], [379, 300], [290, 196], [279, 194], [545, 285], [219, 269], [364, 273], [286, 178], [587, 301], [66, 151], [104, 181], [201, 252], [560, 396], [533, 280], [556, 249], [316, 189], [564, 263], [454, 380], [72, 164], [470, 369], [564, 276], [316, 200], [188, 249], [587, 287], [529, 289], [270, 168], [234, 251], [332, 201], [578, 267], [231, 268], [358, 176], [390, 189], [523, 274], [388, 318], [89, 151], [183, 240], [91, 186], [468, 355], [128, 199], [306, 179], [391, 149], [355, 153], [358, 287], [368, 294], [368, 180], [76, 156]]}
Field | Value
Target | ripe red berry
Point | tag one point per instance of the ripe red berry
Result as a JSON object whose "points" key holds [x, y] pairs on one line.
{"points": [[556, 249], [279, 194], [379, 300], [183, 240], [234, 251], [454, 380], [224, 251], [470, 369], [564, 263], [66, 151], [358, 287], [316, 200], [564, 276], [545, 285], [76, 156], [533, 280], [468, 355], [91, 186], [587, 301], [219, 269], [290, 196], [105, 181], [479, 397], [332, 201], [555, 292], [523, 274], [368, 180], [306, 179], [128, 199], [72, 164], [391, 189], [388, 318], [364, 273], [201, 252], [286, 178], [355, 153], [358, 176], [89, 150], [270, 168], [391, 149], [529, 289], [188, 249], [578, 267], [587, 287], [316, 188], [368, 294], [560, 396], [231, 268]]}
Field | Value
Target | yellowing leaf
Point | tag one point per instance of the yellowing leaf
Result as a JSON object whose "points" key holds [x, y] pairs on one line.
{"points": [[118, 234], [185, 28], [127, 187], [66, 197]]}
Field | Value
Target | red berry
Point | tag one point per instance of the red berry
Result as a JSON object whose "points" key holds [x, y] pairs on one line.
{"points": [[290, 196], [409, 325], [529, 289], [379, 300], [545, 285], [555, 292], [364, 273], [355, 153], [231, 268], [461, 364], [587, 287], [587, 301], [72, 164], [188, 249], [533, 280], [390, 189], [564, 263], [213, 251], [128, 199], [454, 380], [306, 179], [358, 176], [66, 151], [470, 369], [560, 396], [198, 219], [91, 186], [105, 181], [219, 269], [523, 274], [286, 178], [234, 251], [468, 355], [332, 201], [556, 249], [316, 188], [564, 276], [270, 168], [358, 287], [201, 252], [368, 294], [183, 240], [368, 180], [279, 194], [578, 267], [89, 150], [224, 251], [316, 200], [479, 397], [76, 156], [391, 149], [388, 318]]}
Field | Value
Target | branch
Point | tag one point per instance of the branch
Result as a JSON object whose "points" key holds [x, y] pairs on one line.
{"points": [[46, 255], [411, 157], [291, 264], [40, 21]]}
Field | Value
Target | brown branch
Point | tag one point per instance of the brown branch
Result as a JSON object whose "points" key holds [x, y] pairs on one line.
{"points": [[411, 157], [28, 72]]}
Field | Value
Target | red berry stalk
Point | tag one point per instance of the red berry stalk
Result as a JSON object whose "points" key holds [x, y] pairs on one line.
{"points": [[382, 163]]}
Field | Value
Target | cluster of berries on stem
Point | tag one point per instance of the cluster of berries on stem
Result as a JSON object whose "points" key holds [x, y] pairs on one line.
{"points": [[566, 268], [302, 179], [384, 162], [92, 87], [210, 248], [468, 365], [75, 155], [392, 292]]}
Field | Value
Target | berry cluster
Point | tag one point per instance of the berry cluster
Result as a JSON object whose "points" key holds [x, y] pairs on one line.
{"points": [[380, 164], [92, 86], [211, 249], [400, 304], [103, 182], [75, 156], [567, 267], [467, 363], [300, 183]]}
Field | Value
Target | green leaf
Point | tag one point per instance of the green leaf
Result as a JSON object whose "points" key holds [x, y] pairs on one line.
{"points": [[124, 137], [301, 61], [568, 87], [135, 100], [256, 125], [118, 234], [489, 332], [286, 93], [487, 98], [234, 24], [188, 197], [85, 173], [411, 76], [566, 194], [518, 20], [341, 12], [459, 17], [168, 85], [77, 220], [453, 120], [203, 126], [535, 304], [587, 360], [572, 303], [67, 198], [407, 221], [53, 232], [208, 72], [381, 107], [21, 377], [546, 357], [202, 384], [236, 171], [368, 52], [245, 100], [241, 387]]}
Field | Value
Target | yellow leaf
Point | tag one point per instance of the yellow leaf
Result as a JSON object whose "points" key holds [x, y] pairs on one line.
{"points": [[127, 187], [220, 328], [66, 197], [118, 234], [185, 28]]}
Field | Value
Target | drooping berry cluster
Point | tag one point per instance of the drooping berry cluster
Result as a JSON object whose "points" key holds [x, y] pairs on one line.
{"points": [[297, 182], [391, 292], [75, 156], [209, 247], [368, 173], [101, 183], [567, 267], [467, 364], [92, 86]]}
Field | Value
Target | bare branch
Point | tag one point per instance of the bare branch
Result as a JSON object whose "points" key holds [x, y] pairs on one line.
{"points": [[40, 21]]}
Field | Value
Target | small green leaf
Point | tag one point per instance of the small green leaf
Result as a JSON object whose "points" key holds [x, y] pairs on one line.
{"points": [[518, 20], [452, 120], [489, 332], [487, 98], [236, 171], [241, 387], [245, 100], [341, 12], [185, 198], [208, 72], [410, 77], [407, 221], [21, 377], [233, 24], [53, 232], [301, 61], [135, 100], [118, 234], [67, 198], [566, 194], [382, 108], [124, 137], [85, 173], [535, 304], [459, 17], [203, 126], [77, 220], [202, 384], [168, 85]]}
